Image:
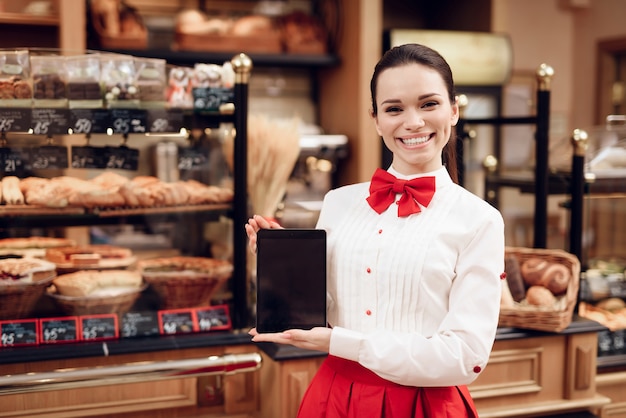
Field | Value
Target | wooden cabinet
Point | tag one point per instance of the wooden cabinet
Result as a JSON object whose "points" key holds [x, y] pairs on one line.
{"points": [[612, 385], [283, 384], [539, 375]]}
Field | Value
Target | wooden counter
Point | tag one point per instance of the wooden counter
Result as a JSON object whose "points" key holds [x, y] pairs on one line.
{"points": [[530, 374]]}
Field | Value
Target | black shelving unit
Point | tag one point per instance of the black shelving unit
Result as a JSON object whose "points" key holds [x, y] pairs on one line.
{"points": [[539, 180]]}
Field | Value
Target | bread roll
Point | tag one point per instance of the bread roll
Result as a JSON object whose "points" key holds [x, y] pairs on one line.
{"points": [[540, 296], [11, 193], [532, 270], [556, 278]]}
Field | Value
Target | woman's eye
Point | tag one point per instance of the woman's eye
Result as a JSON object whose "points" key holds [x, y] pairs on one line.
{"points": [[430, 104], [393, 109]]}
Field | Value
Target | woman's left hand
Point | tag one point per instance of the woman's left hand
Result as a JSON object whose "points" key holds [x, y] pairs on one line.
{"points": [[317, 338]]}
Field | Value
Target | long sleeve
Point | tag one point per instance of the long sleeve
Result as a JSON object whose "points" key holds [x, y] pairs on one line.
{"points": [[414, 299]]}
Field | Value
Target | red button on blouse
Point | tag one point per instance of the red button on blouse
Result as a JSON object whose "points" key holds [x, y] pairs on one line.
{"points": [[503, 276], [477, 369], [380, 231], [368, 312], [369, 270]]}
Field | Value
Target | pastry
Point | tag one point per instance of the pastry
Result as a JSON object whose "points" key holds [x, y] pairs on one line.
{"points": [[25, 270], [86, 254], [87, 283]]}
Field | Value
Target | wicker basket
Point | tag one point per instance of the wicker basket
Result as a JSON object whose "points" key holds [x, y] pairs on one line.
{"points": [[19, 299], [93, 305], [185, 289], [541, 318]]}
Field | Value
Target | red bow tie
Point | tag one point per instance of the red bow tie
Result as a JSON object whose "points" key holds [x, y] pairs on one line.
{"points": [[384, 187]]}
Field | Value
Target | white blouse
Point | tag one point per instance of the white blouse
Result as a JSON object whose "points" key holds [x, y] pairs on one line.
{"points": [[414, 299]]}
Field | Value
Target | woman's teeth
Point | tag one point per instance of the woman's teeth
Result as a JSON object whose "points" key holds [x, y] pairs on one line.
{"points": [[415, 141]]}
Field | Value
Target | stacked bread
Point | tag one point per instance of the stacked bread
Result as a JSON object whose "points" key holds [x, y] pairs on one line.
{"points": [[111, 190], [535, 281]]}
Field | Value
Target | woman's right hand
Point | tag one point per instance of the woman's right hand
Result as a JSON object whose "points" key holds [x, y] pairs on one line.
{"points": [[256, 223]]}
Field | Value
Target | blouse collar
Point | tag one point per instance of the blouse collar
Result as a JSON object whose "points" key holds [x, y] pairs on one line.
{"points": [[441, 175]]}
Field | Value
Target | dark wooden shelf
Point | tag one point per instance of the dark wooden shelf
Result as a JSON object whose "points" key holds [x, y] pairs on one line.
{"points": [[558, 182], [29, 20], [189, 58]]}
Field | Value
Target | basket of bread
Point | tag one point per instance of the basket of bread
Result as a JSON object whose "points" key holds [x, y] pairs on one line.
{"points": [[22, 282], [89, 292], [183, 281], [540, 290]]}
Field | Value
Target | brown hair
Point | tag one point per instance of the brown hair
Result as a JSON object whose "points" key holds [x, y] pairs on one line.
{"points": [[420, 54]]}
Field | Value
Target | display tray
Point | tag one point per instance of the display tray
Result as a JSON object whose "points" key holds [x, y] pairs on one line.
{"points": [[34, 210]]}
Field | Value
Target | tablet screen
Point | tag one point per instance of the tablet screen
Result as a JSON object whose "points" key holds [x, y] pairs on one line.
{"points": [[291, 279]]}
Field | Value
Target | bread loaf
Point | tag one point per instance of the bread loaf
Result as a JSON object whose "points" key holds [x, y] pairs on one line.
{"points": [[514, 278]]}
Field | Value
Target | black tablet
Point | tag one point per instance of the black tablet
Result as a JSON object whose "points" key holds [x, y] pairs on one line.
{"points": [[291, 279]]}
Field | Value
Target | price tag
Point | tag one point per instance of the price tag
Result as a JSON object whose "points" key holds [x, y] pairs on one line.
{"points": [[122, 158], [213, 318], [14, 120], [90, 121], [59, 330], [128, 121], [211, 98], [52, 121], [48, 157], [139, 324], [13, 161], [164, 120], [88, 157], [177, 321], [193, 159], [99, 327], [20, 332]]}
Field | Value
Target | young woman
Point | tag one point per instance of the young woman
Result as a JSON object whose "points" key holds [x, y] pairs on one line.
{"points": [[414, 271]]}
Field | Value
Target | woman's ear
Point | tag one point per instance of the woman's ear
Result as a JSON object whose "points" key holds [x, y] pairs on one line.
{"points": [[454, 118], [375, 119]]}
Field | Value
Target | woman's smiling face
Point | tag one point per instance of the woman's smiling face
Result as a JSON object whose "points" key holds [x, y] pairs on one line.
{"points": [[415, 116]]}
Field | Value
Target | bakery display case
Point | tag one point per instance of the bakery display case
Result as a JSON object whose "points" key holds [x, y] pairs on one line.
{"points": [[73, 297]]}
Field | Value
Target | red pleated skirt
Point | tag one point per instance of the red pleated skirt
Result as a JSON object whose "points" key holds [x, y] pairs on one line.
{"points": [[345, 389]]}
